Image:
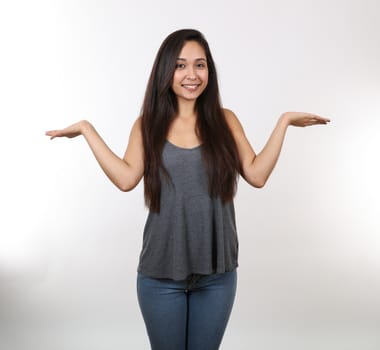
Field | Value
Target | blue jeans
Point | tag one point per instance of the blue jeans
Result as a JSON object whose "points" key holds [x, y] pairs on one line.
{"points": [[187, 315]]}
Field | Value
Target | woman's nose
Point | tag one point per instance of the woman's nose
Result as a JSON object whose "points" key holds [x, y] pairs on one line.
{"points": [[191, 74]]}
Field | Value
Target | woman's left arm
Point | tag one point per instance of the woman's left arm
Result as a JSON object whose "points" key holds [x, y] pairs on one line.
{"points": [[256, 169]]}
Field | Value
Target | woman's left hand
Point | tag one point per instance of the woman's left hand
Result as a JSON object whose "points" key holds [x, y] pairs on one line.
{"points": [[303, 119]]}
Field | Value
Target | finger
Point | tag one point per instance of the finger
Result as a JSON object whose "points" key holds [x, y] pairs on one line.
{"points": [[317, 117], [53, 134], [323, 121], [319, 120]]}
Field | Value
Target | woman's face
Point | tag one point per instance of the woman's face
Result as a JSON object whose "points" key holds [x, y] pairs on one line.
{"points": [[191, 74]]}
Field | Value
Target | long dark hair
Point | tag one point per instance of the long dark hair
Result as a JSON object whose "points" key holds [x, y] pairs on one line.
{"points": [[160, 106]]}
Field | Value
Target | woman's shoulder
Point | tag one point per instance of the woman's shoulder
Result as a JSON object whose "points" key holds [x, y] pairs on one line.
{"points": [[231, 119], [227, 112]]}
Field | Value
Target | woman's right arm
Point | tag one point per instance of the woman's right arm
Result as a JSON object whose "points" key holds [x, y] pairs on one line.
{"points": [[124, 172]]}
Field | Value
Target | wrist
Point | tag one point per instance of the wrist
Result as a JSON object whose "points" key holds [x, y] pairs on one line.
{"points": [[84, 126], [284, 119]]}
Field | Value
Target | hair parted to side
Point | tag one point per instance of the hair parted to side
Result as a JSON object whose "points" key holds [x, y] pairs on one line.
{"points": [[160, 107]]}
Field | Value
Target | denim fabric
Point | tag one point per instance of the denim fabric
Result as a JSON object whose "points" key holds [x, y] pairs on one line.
{"points": [[190, 314]]}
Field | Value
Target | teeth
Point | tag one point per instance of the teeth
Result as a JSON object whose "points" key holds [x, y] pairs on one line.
{"points": [[190, 87]]}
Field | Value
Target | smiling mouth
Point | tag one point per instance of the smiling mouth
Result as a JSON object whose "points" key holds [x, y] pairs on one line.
{"points": [[191, 87]]}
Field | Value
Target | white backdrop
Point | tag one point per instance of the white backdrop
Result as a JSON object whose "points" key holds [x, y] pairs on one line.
{"points": [[309, 241]]}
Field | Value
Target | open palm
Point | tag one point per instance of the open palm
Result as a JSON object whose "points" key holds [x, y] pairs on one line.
{"points": [[70, 132], [304, 119]]}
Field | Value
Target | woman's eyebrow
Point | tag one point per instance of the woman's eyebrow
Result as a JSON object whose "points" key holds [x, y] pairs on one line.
{"points": [[197, 59]]}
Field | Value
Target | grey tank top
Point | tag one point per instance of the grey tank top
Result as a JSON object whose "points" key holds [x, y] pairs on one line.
{"points": [[193, 233]]}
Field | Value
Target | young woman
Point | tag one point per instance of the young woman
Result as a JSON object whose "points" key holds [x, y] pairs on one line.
{"points": [[190, 151]]}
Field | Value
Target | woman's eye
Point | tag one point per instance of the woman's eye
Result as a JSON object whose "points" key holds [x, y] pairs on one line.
{"points": [[201, 65], [180, 65]]}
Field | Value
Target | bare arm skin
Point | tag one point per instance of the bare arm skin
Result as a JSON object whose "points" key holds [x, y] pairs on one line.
{"points": [[256, 169], [124, 172]]}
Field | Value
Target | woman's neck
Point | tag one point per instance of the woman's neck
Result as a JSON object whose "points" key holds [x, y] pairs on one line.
{"points": [[186, 109]]}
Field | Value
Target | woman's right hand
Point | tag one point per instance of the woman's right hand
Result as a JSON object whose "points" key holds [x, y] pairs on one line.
{"points": [[70, 132]]}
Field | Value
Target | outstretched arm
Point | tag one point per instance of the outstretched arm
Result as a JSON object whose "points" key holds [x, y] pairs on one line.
{"points": [[256, 169], [124, 172]]}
